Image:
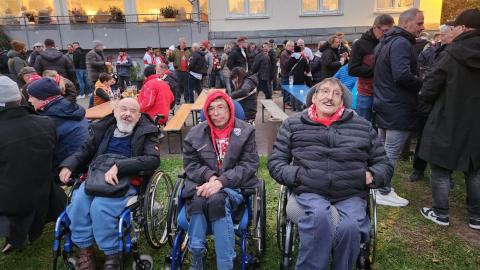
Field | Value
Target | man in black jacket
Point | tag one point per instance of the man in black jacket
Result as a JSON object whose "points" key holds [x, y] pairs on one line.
{"points": [[329, 156], [396, 86], [261, 66], [95, 218], [80, 64], [238, 55], [197, 67], [28, 196], [332, 61], [361, 63], [53, 59], [451, 135]]}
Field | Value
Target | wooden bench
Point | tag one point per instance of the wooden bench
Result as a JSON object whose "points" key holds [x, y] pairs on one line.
{"points": [[176, 123], [278, 115]]}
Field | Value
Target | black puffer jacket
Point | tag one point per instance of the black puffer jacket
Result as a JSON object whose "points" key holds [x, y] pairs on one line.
{"points": [[329, 161], [79, 58], [298, 67], [330, 60], [52, 59], [396, 84], [316, 68], [261, 66], [197, 63], [246, 98], [145, 153]]}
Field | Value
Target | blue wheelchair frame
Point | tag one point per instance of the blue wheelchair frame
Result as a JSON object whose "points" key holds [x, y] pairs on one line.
{"points": [[179, 251]]}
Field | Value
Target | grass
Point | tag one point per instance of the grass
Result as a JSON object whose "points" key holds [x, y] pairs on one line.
{"points": [[406, 240]]}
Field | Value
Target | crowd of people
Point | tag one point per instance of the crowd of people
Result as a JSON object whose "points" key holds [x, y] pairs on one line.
{"points": [[366, 100]]}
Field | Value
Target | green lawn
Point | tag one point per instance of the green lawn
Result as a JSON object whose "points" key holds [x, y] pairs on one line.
{"points": [[406, 240]]}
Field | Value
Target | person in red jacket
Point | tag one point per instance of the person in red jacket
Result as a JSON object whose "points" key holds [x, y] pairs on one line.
{"points": [[155, 96]]}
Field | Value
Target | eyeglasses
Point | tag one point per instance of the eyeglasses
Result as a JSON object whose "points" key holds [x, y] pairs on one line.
{"points": [[219, 109], [328, 91]]}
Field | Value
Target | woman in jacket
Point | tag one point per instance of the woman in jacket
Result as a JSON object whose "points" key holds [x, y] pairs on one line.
{"points": [[67, 88], [17, 59], [103, 90], [245, 92], [213, 184]]}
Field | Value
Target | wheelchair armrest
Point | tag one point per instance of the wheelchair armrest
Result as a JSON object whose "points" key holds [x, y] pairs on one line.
{"points": [[182, 174]]}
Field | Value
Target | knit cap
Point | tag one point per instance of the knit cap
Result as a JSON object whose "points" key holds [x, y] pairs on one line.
{"points": [[43, 88], [8, 91]]}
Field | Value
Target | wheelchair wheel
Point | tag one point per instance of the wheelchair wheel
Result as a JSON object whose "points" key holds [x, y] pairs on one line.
{"points": [[288, 245], [173, 210], [147, 263], [373, 227], [155, 209], [281, 217], [260, 232]]}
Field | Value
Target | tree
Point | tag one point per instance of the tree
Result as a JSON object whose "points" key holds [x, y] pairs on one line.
{"points": [[4, 39], [451, 8]]}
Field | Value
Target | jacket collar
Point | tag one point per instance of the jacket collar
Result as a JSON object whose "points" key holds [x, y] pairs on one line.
{"points": [[347, 115]]}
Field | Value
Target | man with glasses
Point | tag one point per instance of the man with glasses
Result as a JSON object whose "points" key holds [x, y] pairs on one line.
{"points": [[329, 156], [361, 63], [37, 49]]}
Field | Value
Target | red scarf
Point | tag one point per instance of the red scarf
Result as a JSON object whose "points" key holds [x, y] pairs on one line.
{"points": [[33, 78], [48, 101], [215, 132], [312, 113]]}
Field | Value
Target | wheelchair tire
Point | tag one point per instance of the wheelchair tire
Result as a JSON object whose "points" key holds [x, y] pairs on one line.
{"points": [[260, 232], [286, 262], [173, 211], [70, 263], [155, 208], [146, 260], [281, 217], [374, 229]]}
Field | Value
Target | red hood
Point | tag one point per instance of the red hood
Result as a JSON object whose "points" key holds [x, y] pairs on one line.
{"points": [[212, 95]]}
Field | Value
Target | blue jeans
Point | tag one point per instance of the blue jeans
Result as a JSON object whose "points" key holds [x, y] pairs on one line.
{"points": [[364, 106], [318, 237], [223, 232], [82, 81], [96, 219]]}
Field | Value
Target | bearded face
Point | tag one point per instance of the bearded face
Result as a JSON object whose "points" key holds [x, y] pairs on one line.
{"points": [[127, 114]]}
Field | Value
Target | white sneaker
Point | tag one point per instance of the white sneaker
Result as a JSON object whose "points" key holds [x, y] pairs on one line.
{"points": [[391, 199]]}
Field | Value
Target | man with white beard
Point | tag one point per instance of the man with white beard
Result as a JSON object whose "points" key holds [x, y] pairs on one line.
{"points": [[132, 140]]}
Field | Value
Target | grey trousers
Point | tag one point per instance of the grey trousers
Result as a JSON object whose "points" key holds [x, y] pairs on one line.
{"points": [[393, 141], [318, 238], [440, 181]]}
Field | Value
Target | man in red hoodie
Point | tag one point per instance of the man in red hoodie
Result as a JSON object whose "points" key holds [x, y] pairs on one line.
{"points": [[155, 96], [220, 159]]}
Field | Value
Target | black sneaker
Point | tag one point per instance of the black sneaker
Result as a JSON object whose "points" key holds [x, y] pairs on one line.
{"points": [[416, 176], [474, 224], [428, 213]]}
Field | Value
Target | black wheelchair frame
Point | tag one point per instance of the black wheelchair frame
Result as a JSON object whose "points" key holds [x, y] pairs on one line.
{"points": [[146, 213], [287, 234], [251, 228]]}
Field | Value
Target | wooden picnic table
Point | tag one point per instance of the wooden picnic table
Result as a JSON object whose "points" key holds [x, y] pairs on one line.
{"points": [[99, 111]]}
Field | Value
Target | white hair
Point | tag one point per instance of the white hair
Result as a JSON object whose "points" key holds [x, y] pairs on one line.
{"points": [[444, 28], [195, 46]]}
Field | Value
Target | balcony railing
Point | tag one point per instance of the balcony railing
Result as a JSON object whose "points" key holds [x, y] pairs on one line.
{"points": [[102, 19]]}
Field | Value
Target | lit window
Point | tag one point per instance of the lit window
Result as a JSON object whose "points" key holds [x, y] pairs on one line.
{"points": [[394, 4], [151, 10], [104, 11], [38, 11], [246, 7], [320, 6]]}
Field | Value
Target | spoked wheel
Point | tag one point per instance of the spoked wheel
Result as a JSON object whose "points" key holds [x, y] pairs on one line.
{"points": [[289, 246], [373, 227], [260, 232], [156, 199], [281, 217], [173, 210]]}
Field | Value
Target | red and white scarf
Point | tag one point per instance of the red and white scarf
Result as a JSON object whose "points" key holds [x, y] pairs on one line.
{"points": [[312, 114]]}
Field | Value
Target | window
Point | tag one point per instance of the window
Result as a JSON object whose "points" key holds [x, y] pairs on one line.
{"points": [[394, 4], [320, 7], [246, 7], [28, 8]]}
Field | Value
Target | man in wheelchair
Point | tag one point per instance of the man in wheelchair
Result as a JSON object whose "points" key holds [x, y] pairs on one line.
{"points": [[127, 134], [220, 159], [329, 156]]}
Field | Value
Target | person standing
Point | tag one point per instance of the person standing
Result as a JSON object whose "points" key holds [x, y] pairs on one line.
{"points": [[238, 55], [395, 92], [225, 71], [316, 64], [306, 51], [261, 67], [37, 49], [69, 52], [361, 63], [95, 62], [53, 59], [205, 48], [80, 65], [17, 59], [451, 135], [148, 57], [180, 58], [332, 61], [197, 67], [284, 72], [124, 64]]}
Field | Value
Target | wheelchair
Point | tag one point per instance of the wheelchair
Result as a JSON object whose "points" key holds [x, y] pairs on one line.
{"points": [[249, 223], [288, 214], [146, 211]]}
